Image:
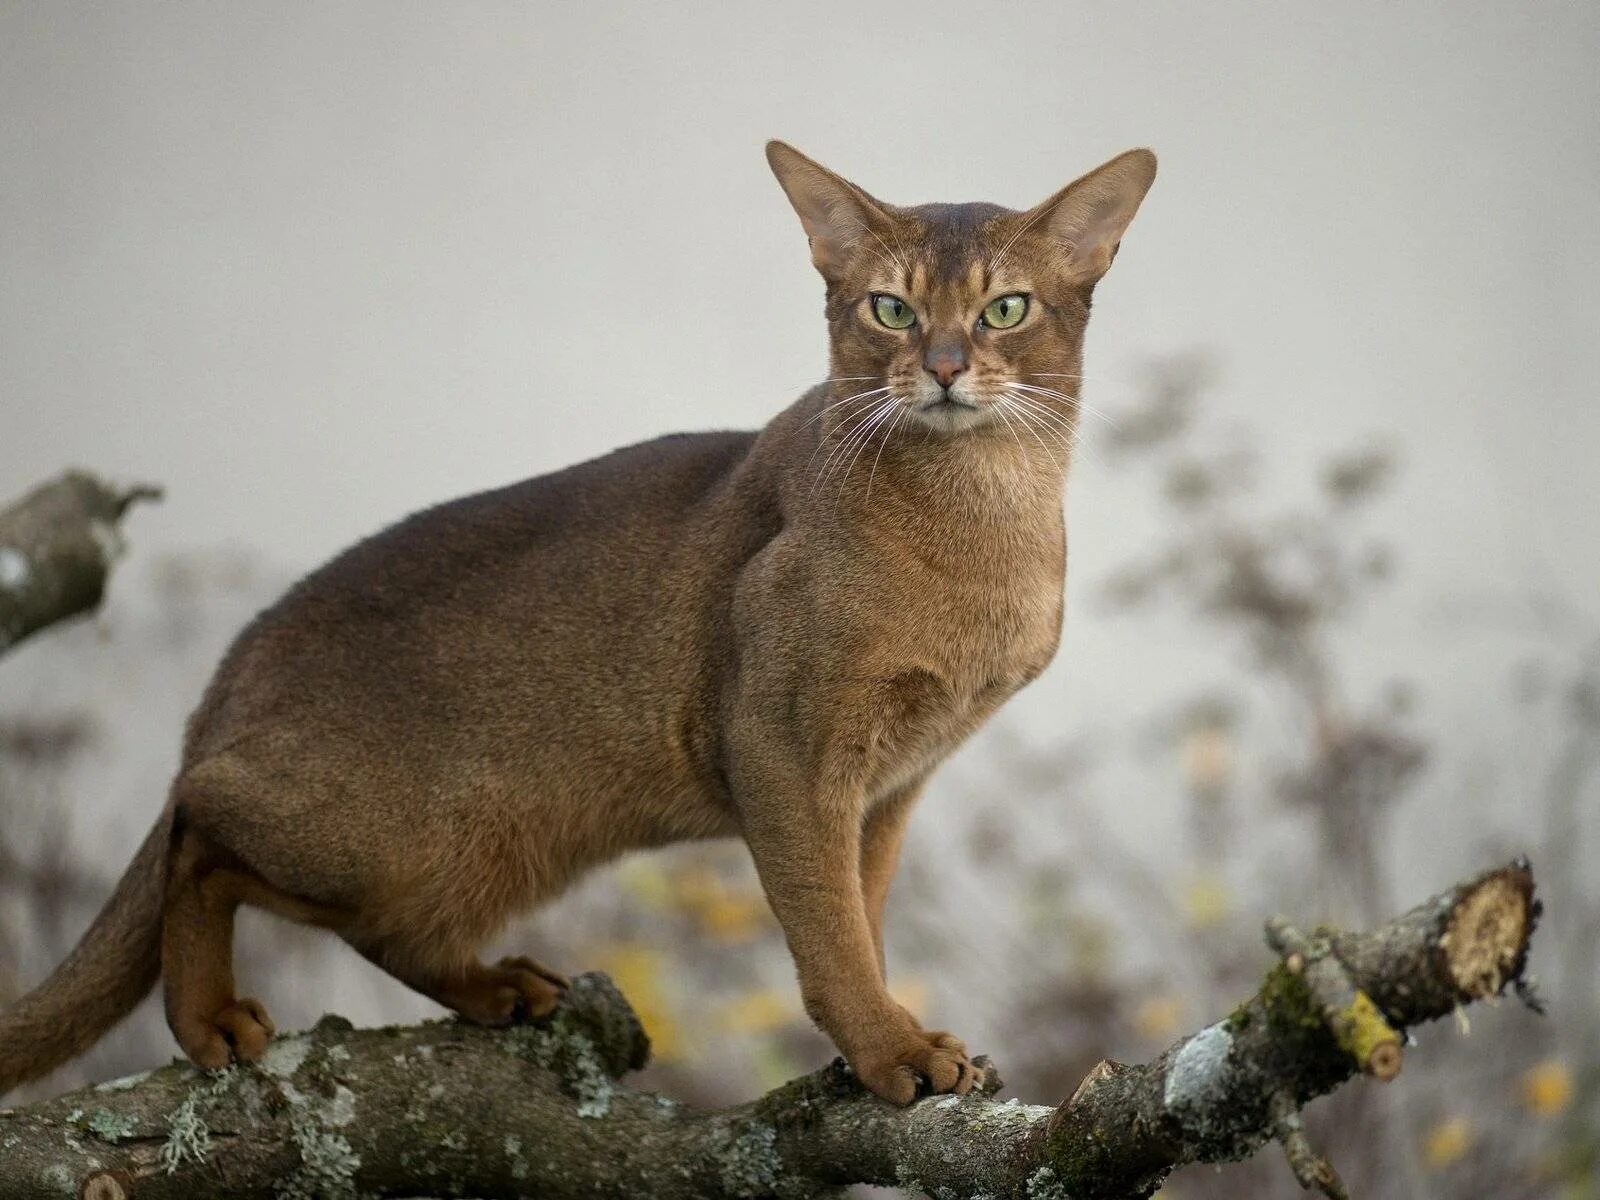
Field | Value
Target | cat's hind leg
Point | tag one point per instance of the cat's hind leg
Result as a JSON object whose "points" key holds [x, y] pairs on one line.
{"points": [[511, 991], [211, 1024]]}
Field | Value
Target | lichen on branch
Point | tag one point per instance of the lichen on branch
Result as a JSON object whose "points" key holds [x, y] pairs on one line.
{"points": [[447, 1109]]}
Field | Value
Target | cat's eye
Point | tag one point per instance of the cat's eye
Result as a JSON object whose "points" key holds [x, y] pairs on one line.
{"points": [[1004, 312], [892, 311]]}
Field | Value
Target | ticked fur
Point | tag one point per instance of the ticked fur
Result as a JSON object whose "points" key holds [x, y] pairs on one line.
{"points": [[773, 635]]}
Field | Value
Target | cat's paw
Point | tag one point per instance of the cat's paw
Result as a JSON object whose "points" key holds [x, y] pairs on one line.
{"points": [[512, 991], [524, 963], [237, 1032], [923, 1064]]}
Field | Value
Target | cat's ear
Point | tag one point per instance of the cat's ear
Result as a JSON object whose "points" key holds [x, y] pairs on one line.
{"points": [[1087, 218], [836, 213]]}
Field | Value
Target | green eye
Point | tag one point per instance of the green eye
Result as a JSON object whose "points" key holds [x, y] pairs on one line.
{"points": [[893, 311], [1006, 311]]}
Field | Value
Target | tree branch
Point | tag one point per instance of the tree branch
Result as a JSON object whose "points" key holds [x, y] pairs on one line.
{"points": [[446, 1109], [57, 545]]}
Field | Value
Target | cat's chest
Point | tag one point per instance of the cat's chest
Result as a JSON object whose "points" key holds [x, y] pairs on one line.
{"points": [[981, 617], [961, 646]]}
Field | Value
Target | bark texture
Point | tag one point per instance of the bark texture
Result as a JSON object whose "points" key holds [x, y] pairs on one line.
{"points": [[57, 545], [446, 1109]]}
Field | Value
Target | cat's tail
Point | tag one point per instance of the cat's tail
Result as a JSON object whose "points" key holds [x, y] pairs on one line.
{"points": [[110, 970]]}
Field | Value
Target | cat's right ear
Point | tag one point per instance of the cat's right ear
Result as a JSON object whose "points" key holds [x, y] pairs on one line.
{"points": [[836, 213]]}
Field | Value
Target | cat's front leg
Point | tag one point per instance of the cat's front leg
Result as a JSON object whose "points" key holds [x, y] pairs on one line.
{"points": [[881, 834], [807, 849]]}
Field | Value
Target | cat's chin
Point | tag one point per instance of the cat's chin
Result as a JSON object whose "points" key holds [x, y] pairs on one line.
{"points": [[951, 415]]}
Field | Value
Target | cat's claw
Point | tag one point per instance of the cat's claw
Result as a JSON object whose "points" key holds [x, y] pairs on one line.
{"points": [[918, 1067]]}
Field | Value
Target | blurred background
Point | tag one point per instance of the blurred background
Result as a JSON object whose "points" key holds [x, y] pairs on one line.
{"points": [[1333, 635]]}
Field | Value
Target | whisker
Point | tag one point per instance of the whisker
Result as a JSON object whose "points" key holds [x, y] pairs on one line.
{"points": [[863, 426], [1022, 415], [994, 263], [1046, 391], [905, 259], [1047, 421], [847, 430], [1000, 411], [1098, 413], [891, 259], [827, 408], [866, 439], [1044, 410], [884, 445], [1059, 428], [905, 268], [844, 427], [882, 416], [1074, 400]]}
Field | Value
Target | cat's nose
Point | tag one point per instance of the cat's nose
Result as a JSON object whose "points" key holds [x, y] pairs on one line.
{"points": [[945, 366]]}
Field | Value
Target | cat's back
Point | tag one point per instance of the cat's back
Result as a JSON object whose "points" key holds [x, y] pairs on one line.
{"points": [[636, 498], [459, 594]]}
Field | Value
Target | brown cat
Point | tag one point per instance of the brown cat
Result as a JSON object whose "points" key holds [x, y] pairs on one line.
{"points": [[773, 635]]}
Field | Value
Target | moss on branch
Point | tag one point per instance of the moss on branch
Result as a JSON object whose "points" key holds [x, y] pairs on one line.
{"points": [[446, 1109]]}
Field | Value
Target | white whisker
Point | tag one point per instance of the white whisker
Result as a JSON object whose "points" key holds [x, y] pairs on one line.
{"points": [[882, 416], [844, 427], [1000, 411], [1044, 410], [1059, 424], [1048, 421], [1053, 422], [884, 445], [827, 408], [994, 263], [1078, 401], [892, 259], [864, 423], [1022, 415]]}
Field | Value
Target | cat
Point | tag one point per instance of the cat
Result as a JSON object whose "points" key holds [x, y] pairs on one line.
{"points": [[774, 635]]}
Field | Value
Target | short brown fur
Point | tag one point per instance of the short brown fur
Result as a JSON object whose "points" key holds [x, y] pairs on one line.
{"points": [[773, 635]]}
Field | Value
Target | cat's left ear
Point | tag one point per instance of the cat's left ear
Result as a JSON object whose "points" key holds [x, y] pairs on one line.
{"points": [[1087, 218], [836, 214]]}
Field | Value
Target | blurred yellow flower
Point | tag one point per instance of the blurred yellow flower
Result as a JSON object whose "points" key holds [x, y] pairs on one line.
{"points": [[772, 1066], [1158, 1018], [1447, 1142], [723, 913], [647, 883], [1206, 902], [694, 884], [1546, 1089], [637, 971], [733, 918], [759, 1011]]}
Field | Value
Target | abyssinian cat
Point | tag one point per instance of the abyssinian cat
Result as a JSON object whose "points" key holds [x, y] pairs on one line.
{"points": [[773, 635]]}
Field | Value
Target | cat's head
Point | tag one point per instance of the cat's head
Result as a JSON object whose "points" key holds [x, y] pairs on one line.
{"points": [[961, 314]]}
